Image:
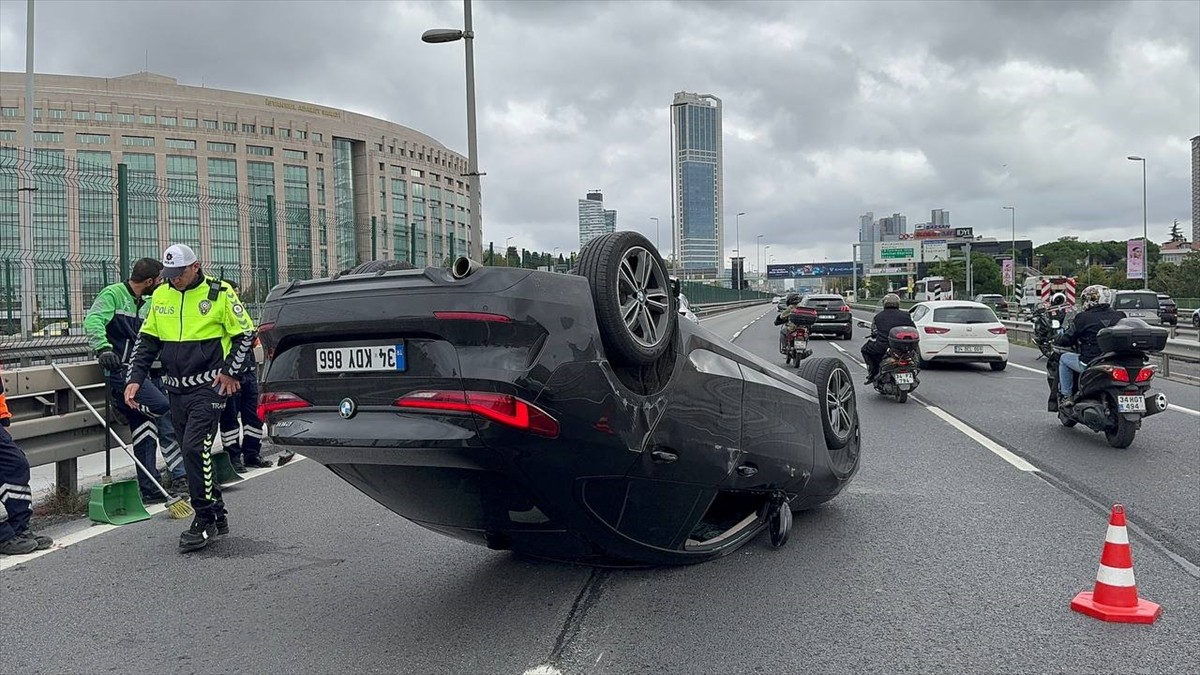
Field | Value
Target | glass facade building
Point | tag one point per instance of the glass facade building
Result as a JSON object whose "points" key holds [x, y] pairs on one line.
{"points": [[697, 184]]}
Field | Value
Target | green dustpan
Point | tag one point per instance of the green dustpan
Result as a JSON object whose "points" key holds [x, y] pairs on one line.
{"points": [[223, 468], [117, 503]]}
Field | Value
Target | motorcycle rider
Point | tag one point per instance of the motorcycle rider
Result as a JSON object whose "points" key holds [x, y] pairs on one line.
{"points": [[793, 299], [876, 347], [1080, 334]]}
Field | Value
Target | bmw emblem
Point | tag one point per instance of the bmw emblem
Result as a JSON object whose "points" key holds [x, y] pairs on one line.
{"points": [[347, 408]]}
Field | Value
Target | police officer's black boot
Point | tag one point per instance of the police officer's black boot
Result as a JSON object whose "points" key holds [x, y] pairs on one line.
{"points": [[222, 520], [202, 531]]}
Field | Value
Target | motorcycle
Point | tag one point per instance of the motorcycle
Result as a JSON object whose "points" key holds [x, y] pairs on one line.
{"points": [[898, 370], [1047, 324], [1113, 392], [794, 334]]}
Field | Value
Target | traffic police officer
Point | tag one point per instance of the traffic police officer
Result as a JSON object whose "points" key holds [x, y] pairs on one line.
{"points": [[16, 497], [112, 326], [203, 335]]}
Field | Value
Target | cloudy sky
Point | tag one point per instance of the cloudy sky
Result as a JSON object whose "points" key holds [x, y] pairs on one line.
{"points": [[831, 109]]}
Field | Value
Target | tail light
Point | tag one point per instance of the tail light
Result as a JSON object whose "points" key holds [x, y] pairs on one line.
{"points": [[472, 316], [1117, 373], [935, 330], [274, 401], [844, 308], [503, 408], [1146, 373], [998, 331]]}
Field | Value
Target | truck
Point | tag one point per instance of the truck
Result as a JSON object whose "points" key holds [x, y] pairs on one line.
{"points": [[1037, 288]]}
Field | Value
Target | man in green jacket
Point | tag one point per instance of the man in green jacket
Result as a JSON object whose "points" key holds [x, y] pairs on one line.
{"points": [[112, 326]]}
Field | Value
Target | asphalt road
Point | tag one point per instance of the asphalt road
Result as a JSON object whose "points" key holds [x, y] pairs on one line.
{"points": [[940, 557]]}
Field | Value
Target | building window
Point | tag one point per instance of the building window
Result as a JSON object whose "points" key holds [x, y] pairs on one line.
{"points": [[318, 137], [57, 114], [229, 126], [81, 115], [391, 149], [295, 154], [379, 147], [320, 185], [47, 137], [285, 133], [268, 131], [92, 139], [125, 118], [301, 134], [189, 122], [181, 144], [10, 111], [168, 121], [417, 173], [215, 146], [247, 128], [397, 170], [320, 157], [210, 124], [147, 119], [263, 150], [8, 135], [103, 117], [146, 141]]}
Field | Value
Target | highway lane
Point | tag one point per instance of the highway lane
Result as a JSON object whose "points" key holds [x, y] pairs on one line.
{"points": [[940, 556]]}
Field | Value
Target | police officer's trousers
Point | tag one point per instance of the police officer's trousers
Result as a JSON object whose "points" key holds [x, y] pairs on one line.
{"points": [[15, 493], [244, 404], [151, 427], [196, 412]]}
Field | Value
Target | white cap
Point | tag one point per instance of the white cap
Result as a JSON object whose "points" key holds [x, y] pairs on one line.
{"points": [[176, 259]]}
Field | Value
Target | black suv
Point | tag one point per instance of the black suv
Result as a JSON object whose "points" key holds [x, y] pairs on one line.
{"points": [[1168, 311], [833, 314]]}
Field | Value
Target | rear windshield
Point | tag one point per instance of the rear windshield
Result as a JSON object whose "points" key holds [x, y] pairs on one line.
{"points": [[823, 303], [964, 315], [1135, 301], [991, 297]]}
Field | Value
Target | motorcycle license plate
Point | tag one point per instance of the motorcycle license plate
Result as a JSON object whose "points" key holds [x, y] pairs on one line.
{"points": [[904, 378], [800, 344], [1131, 404]]}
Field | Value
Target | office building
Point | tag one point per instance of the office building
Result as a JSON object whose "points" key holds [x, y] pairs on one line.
{"points": [[697, 203], [1196, 192], [594, 220]]}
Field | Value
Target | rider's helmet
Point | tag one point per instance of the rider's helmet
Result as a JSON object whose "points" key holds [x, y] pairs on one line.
{"points": [[793, 299], [891, 301], [1093, 295], [1058, 299]]}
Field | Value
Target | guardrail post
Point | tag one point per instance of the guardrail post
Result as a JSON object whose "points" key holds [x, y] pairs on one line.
{"points": [[66, 477], [1166, 365]]}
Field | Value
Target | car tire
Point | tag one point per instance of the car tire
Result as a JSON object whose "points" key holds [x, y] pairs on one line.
{"points": [[635, 310], [849, 335], [998, 365], [835, 397]]}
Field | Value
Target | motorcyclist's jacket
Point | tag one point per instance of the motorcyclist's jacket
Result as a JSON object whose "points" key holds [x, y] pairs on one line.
{"points": [[201, 331], [114, 320], [888, 319], [1081, 332]]}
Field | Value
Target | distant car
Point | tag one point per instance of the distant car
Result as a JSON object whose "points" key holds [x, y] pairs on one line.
{"points": [[1138, 305], [962, 331], [833, 314], [1196, 318], [55, 329], [993, 300], [1168, 311], [685, 309]]}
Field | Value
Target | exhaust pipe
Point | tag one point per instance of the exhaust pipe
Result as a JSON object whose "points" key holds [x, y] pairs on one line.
{"points": [[464, 267], [1156, 404]]}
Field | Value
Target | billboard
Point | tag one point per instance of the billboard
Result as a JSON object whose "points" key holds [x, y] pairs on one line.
{"points": [[897, 252], [1135, 259], [941, 233], [935, 250], [1006, 272], [808, 270]]}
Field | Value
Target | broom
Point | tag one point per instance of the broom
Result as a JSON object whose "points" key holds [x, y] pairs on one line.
{"points": [[177, 507]]}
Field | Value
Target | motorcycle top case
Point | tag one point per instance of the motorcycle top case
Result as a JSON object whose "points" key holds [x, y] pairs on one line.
{"points": [[1132, 335], [903, 337], [803, 316]]}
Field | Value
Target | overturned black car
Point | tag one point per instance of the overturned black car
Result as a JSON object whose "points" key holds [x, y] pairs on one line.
{"points": [[571, 417]]}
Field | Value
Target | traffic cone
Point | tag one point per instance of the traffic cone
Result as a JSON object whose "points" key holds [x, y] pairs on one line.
{"points": [[1115, 597]]}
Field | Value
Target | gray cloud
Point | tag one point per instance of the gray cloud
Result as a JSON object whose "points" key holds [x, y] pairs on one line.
{"points": [[831, 109]]}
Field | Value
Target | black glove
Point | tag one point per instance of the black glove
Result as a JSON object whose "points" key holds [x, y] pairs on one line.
{"points": [[4, 421], [109, 360]]}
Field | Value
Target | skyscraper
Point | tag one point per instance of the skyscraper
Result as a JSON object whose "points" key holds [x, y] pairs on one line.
{"points": [[594, 220], [866, 238], [697, 202], [1196, 193]]}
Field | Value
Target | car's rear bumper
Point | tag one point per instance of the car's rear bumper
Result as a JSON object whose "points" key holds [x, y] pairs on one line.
{"points": [[831, 327]]}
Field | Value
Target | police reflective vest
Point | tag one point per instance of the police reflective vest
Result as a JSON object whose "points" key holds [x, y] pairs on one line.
{"points": [[196, 333]]}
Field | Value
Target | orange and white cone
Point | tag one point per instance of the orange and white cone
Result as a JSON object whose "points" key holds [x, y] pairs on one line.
{"points": [[1115, 597]]}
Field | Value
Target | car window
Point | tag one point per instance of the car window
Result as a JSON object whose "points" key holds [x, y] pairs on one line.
{"points": [[919, 311], [1135, 301], [823, 303], [964, 315]]}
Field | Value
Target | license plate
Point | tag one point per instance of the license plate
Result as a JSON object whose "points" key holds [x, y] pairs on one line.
{"points": [[799, 344], [1131, 404], [904, 378], [828, 317], [375, 358], [968, 349]]}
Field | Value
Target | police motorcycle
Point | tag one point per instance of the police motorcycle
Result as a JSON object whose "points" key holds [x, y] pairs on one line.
{"points": [[795, 324], [1048, 322], [898, 370], [1113, 392]]}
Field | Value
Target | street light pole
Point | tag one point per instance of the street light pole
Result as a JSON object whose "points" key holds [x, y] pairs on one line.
{"points": [[758, 254], [1145, 238], [1013, 288], [657, 243], [467, 35]]}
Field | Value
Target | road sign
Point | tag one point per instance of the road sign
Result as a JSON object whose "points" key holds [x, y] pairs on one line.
{"points": [[897, 252]]}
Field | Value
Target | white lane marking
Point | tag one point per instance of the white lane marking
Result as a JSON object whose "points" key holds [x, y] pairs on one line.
{"points": [[852, 359], [997, 449], [547, 670], [1170, 406], [99, 529]]}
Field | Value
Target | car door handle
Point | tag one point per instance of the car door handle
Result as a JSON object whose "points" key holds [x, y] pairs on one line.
{"points": [[663, 456], [747, 470]]}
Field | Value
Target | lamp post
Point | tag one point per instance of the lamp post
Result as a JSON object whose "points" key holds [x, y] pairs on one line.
{"points": [[758, 254], [657, 244], [1145, 242], [1013, 289], [467, 35], [506, 240]]}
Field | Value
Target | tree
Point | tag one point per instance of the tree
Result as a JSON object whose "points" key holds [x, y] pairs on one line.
{"points": [[1176, 234]]}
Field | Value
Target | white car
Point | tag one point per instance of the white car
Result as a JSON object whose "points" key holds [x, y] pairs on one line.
{"points": [[959, 330]]}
